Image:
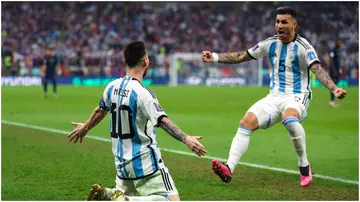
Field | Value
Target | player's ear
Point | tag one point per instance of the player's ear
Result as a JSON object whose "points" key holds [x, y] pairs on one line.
{"points": [[295, 24], [146, 61]]}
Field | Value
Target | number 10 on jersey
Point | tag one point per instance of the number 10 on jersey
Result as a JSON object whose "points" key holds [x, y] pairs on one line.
{"points": [[123, 121]]}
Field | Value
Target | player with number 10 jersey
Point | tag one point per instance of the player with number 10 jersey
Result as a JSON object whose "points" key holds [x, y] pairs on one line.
{"points": [[134, 112]]}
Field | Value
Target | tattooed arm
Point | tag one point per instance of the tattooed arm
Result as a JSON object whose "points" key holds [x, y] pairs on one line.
{"points": [[227, 58], [325, 79], [191, 141], [172, 129], [233, 58]]}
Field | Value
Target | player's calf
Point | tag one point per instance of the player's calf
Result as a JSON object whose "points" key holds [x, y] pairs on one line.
{"points": [[297, 136]]}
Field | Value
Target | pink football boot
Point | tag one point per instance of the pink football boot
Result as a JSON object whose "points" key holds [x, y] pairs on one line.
{"points": [[306, 180], [223, 171]]}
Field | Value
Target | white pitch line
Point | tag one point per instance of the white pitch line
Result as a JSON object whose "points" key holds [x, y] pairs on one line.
{"points": [[185, 153]]}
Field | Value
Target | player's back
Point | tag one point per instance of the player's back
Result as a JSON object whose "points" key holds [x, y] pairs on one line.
{"points": [[132, 128]]}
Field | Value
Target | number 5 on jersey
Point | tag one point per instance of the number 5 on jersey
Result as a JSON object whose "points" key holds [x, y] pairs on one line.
{"points": [[282, 66]]}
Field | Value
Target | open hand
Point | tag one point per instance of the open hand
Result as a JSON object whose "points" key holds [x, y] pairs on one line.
{"points": [[194, 145], [78, 133]]}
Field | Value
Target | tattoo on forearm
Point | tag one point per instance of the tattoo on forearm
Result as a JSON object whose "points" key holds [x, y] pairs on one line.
{"points": [[172, 129], [323, 77], [233, 58]]}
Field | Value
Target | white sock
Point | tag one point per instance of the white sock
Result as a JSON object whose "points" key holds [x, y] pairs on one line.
{"points": [[147, 198], [238, 147], [297, 136]]}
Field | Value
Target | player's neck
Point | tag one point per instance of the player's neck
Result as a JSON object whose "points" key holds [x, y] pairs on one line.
{"points": [[290, 39], [135, 74]]}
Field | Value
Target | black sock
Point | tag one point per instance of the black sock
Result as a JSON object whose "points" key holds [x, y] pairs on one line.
{"points": [[54, 86], [45, 86], [304, 171], [332, 97]]}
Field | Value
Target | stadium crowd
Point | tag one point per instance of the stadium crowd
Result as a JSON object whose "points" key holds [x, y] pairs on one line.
{"points": [[89, 37]]}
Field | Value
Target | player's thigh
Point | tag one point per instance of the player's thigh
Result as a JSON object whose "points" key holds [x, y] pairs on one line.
{"points": [[160, 183], [126, 186], [266, 111], [53, 79], [299, 102]]}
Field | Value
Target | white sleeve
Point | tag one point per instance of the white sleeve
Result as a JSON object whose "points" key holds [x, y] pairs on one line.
{"points": [[105, 101], [311, 57], [152, 109], [260, 49]]}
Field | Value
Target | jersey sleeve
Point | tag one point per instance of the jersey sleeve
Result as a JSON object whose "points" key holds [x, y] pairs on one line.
{"points": [[259, 50], [151, 107], [311, 57], [105, 103]]}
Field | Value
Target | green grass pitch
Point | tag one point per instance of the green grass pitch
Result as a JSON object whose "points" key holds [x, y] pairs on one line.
{"points": [[40, 165]]}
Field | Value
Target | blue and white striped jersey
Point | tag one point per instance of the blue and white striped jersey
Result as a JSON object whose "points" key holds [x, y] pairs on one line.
{"points": [[289, 64], [134, 111]]}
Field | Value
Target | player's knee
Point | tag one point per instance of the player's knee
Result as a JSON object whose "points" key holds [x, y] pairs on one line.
{"points": [[290, 123], [291, 112], [250, 121]]}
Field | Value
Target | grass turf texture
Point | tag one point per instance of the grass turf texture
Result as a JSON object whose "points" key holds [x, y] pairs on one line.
{"points": [[39, 165]]}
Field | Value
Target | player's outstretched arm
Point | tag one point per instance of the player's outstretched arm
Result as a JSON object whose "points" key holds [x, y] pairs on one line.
{"points": [[325, 79], [191, 141], [226, 58], [83, 128]]}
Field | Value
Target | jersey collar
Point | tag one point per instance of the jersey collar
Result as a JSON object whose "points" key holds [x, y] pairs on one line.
{"points": [[295, 37]]}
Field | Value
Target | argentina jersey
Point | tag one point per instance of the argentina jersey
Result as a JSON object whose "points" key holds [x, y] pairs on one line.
{"points": [[134, 111], [289, 64]]}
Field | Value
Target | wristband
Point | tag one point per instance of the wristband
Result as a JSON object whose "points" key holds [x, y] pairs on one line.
{"points": [[215, 57]]}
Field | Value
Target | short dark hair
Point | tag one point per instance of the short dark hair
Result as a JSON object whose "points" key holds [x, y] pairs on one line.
{"points": [[286, 10], [134, 52]]}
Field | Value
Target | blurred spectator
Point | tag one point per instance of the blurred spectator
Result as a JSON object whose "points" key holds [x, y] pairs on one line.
{"points": [[90, 36]]}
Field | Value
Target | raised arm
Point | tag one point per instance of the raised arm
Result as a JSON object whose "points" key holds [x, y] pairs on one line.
{"points": [[191, 141], [225, 58], [325, 79], [83, 128]]}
